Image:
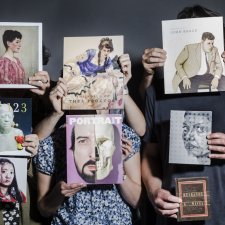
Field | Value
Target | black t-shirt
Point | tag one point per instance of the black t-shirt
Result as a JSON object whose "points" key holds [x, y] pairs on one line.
{"points": [[157, 112]]}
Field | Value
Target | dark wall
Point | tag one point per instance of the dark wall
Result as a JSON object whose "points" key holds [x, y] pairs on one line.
{"points": [[138, 20]]}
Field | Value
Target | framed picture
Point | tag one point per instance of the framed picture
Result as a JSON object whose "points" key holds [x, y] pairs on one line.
{"points": [[20, 53]]}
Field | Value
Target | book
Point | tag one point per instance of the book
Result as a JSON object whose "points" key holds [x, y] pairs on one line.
{"points": [[94, 154], [92, 73], [15, 123], [194, 47], [188, 132], [195, 197], [13, 178], [24, 40]]}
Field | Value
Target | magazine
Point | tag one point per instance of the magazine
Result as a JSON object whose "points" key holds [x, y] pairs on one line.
{"points": [[94, 154], [194, 47], [92, 72], [15, 123], [20, 53], [14, 180], [188, 132]]}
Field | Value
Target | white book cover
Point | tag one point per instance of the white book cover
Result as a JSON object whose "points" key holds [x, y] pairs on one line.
{"points": [[188, 132], [194, 47]]}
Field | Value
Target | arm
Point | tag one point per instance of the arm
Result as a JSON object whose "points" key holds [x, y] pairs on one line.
{"points": [[164, 203], [47, 125], [51, 198], [134, 115], [131, 187], [151, 59]]}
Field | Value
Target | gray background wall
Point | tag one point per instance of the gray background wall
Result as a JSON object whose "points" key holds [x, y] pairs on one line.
{"points": [[138, 20]]}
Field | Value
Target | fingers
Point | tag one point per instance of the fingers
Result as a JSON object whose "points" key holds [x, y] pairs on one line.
{"points": [[126, 147], [60, 89], [166, 204], [152, 58], [216, 143], [41, 80], [70, 189], [125, 64], [31, 144], [223, 56]]}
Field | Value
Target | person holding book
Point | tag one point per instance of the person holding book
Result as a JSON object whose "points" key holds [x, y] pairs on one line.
{"points": [[92, 204], [11, 69], [158, 175]]}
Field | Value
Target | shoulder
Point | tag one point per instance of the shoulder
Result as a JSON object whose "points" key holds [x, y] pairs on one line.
{"points": [[91, 52]]}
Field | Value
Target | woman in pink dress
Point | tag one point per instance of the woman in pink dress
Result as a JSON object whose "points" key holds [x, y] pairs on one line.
{"points": [[11, 69]]}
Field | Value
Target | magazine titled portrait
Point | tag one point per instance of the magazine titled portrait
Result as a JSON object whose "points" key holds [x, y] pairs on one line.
{"points": [[188, 137], [194, 47], [15, 123], [92, 73], [20, 53], [94, 154], [13, 182]]}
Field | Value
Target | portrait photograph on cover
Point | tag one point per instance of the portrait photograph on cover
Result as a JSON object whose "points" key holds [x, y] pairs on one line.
{"points": [[20, 53], [188, 132], [13, 180], [91, 70], [15, 123], [94, 154], [194, 47]]}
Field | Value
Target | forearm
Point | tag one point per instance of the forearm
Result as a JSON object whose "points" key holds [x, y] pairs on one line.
{"points": [[134, 116], [145, 83], [131, 187], [47, 125], [49, 204], [151, 172]]}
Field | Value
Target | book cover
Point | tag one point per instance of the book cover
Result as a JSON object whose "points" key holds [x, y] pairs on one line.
{"points": [[94, 154], [92, 72], [15, 123], [194, 47], [188, 132], [195, 198], [20, 53], [13, 182]]}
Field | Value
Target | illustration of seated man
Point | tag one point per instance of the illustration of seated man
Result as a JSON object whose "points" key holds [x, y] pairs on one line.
{"points": [[196, 127], [92, 62], [93, 147], [9, 135], [199, 65], [9, 191]]}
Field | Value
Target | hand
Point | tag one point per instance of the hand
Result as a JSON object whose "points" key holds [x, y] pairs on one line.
{"points": [[223, 56], [41, 80], [216, 143], [57, 93], [126, 147], [186, 83], [31, 144], [68, 190], [215, 82], [153, 58], [125, 64], [166, 204]]}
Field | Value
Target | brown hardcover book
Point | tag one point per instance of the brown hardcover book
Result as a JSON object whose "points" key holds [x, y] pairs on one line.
{"points": [[195, 198]]}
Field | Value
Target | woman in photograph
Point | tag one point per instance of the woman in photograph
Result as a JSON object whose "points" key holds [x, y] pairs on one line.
{"points": [[11, 69], [10, 194], [92, 61]]}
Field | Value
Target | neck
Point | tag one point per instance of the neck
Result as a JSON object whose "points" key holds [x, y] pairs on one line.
{"points": [[4, 190], [9, 54]]}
